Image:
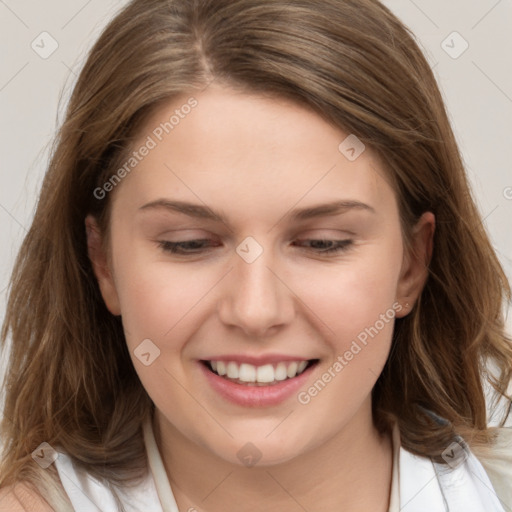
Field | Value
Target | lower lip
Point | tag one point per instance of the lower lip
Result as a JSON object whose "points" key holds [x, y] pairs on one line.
{"points": [[255, 396]]}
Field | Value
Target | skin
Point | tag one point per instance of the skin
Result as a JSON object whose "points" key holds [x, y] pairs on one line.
{"points": [[255, 159]]}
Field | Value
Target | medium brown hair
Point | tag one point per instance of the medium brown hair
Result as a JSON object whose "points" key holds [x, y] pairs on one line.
{"points": [[70, 379]]}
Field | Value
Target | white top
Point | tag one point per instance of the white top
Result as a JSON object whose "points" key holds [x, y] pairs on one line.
{"points": [[418, 484]]}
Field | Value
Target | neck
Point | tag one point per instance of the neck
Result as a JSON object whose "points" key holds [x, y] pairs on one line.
{"points": [[352, 469]]}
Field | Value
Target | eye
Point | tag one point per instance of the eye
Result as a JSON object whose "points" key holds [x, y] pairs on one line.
{"points": [[183, 247], [333, 246], [320, 246]]}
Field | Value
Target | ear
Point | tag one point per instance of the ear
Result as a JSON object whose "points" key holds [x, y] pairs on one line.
{"points": [[100, 265], [414, 272]]}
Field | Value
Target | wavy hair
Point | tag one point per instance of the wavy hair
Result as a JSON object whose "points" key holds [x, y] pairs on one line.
{"points": [[70, 380]]}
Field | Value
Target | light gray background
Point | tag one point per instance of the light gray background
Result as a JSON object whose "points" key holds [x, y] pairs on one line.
{"points": [[477, 87]]}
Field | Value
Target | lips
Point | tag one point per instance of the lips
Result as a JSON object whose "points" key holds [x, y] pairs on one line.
{"points": [[258, 383]]}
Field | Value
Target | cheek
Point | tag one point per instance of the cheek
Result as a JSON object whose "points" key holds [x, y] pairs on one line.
{"points": [[351, 296], [357, 306], [158, 306], [156, 298]]}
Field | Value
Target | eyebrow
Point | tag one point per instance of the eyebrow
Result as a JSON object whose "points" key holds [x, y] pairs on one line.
{"points": [[298, 214]]}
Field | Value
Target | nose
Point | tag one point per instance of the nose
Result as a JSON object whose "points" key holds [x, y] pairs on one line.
{"points": [[255, 298]]}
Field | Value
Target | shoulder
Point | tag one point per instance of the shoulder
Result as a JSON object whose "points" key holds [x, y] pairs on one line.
{"points": [[497, 462], [460, 484], [21, 498]]}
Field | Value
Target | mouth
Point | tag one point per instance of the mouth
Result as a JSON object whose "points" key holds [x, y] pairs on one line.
{"points": [[267, 383], [270, 374]]}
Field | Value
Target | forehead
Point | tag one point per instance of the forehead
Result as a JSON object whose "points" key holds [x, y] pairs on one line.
{"points": [[259, 155]]}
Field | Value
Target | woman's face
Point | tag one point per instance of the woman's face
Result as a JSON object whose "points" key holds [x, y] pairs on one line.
{"points": [[249, 187]]}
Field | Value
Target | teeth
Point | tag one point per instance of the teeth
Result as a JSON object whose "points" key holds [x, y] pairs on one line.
{"points": [[247, 373], [280, 373], [292, 370], [221, 367], [262, 374], [232, 370], [265, 373]]}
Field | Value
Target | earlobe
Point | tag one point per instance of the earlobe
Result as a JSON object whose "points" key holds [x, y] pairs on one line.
{"points": [[415, 267], [100, 265]]}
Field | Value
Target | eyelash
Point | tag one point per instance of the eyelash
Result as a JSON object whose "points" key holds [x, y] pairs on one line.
{"points": [[176, 247]]}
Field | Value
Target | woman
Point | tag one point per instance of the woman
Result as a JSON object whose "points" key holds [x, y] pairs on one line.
{"points": [[256, 278]]}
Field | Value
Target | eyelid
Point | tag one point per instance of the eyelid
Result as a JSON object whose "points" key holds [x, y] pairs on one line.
{"points": [[339, 246], [303, 232]]}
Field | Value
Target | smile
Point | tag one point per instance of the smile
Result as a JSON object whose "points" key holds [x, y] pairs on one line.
{"points": [[249, 374], [257, 382]]}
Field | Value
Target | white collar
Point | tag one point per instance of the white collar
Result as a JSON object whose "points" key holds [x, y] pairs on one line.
{"points": [[418, 484], [156, 465]]}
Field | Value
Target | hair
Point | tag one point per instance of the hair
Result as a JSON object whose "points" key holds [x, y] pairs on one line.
{"points": [[70, 379]]}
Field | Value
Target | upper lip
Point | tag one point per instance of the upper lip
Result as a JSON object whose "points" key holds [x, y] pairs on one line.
{"points": [[257, 360]]}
